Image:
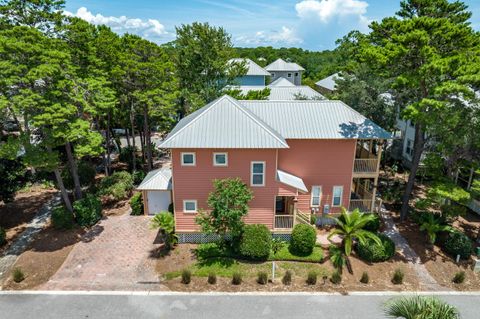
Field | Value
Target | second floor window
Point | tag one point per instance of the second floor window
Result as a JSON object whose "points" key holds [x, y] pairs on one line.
{"points": [[188, 159], [316, 196], [409, 149], [258, 174], [220, 159], [337, 195]]}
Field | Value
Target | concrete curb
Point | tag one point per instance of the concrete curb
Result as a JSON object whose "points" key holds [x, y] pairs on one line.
{"points": [[174, 293]]}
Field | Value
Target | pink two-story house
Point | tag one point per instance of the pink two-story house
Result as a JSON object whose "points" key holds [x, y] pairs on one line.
{"points": [[298, 157]]}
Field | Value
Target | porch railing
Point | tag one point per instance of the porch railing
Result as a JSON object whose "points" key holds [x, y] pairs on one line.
{"points": [[364, 205], [365, 165], [284, 221]]}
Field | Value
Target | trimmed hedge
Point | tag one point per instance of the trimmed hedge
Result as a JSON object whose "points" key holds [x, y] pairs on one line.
{"points": [[88, 210], [256, 242], [62, 218], [136, 203], [372, 252], [458, 243], [303, 240]]}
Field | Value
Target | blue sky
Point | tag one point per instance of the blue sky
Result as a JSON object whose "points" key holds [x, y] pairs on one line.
{"points": [[308, 24]]}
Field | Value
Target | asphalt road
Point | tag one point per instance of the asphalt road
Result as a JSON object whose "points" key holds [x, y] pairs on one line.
{"points": [[211, 306]]}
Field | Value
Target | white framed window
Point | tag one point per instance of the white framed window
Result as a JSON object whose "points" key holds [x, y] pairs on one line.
{"points": [[296, 73], [220, 159], [337, 195], [188, 159], [289, 75], [189, 206], [257, 174], [316, 196]]}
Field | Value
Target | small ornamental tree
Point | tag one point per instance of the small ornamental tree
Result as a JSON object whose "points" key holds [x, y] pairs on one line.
{"points": [[228, 204]]}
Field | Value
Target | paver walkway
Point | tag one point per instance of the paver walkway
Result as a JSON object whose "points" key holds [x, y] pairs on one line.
{"points": [[21, 242], [427, 282], [116, 254]]}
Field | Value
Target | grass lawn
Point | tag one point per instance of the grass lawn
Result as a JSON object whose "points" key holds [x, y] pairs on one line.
{"points": [[284, 254]]}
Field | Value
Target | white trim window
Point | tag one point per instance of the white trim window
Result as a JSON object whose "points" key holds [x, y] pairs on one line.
{"points": [[409, 148], [188, 159], [257, 173], [189, 206], [220, 159], [316, 196], [289, 75], [337, 196]]}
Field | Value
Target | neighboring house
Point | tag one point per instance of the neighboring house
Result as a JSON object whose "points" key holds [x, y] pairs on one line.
{"points": [[328, 84], [288, 70], [255, 74], [298, 157], [282, 89], [469, 178]]}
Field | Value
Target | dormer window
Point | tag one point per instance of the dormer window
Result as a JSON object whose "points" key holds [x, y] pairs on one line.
{"points": [[273, 74], [289, 75]]}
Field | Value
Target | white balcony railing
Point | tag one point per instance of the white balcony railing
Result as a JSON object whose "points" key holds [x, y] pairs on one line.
{"points": [[365, 165], [284, 221]]}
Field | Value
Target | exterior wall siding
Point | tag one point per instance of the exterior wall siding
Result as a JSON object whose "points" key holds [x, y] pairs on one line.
{"points": [[297, 80], [196, 182], [251, 80], [326, 163]]}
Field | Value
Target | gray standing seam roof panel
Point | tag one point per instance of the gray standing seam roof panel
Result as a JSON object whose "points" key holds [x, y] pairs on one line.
{"points": [[224, 123], [316, 120]]}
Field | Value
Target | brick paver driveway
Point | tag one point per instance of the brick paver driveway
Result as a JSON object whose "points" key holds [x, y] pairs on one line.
{"points": [[116, 254]]}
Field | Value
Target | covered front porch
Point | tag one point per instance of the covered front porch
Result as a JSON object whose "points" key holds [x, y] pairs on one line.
{"points": [[363, 195]]}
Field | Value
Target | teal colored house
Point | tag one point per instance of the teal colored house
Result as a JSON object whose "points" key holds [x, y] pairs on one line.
{"points": [[256, 75]]}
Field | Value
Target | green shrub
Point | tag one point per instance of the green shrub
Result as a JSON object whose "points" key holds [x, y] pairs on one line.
{"points": [[336, 277], [312, 278], [138, 177], [3, 237], [420, 307], [373, 225], [62, 218], [337, 257], [459, 277], [86, 174], [284, 254], [287, 278], [212, 278], [458, 243], [186, 276], [18, 275], [166, 222], [365, 278], [236, 278], [313, 219], [88, 210], [256, 242], [397, 278], [303, 239], [136, 203], [373, 252], [117, 186], [262, 278]]}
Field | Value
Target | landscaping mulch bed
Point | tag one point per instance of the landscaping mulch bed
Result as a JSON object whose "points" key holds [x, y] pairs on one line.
{"points": [[380, 275], [440, 265], [16, 215], [44, 257]]}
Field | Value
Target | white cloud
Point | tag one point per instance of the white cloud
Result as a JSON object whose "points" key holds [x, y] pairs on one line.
{"points": [[286, 36], [327, 10], [122, 24]]}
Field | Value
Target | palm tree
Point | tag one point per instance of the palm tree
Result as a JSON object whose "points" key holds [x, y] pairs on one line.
{"points": [[432, 225], [415, 307], [350, 227]]}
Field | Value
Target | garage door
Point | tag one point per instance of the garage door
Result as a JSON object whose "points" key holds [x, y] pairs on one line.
{"points": [[158, 201]]}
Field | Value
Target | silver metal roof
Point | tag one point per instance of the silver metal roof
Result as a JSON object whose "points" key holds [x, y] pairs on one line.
{"points": [[158, 179], [311, 119], [281, 81], [282, 93], [291, 180], [252, 67], [329, 82], [281, 65], [223, 123]]}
